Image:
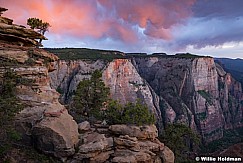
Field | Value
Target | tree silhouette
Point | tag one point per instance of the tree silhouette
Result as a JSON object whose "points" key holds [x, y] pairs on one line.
{"points": [[36, 23]]}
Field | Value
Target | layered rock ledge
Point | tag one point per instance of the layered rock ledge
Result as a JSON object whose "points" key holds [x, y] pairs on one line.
{"points": [[17, 34], [121, 144]]}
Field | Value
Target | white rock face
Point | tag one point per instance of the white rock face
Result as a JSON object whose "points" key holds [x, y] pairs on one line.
{"points": [[126, 85], [68, 74], [188, 89], [205, 76]]}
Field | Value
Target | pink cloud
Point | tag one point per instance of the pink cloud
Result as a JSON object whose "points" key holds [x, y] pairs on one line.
{"points": [[155, 16], [103, 18]]}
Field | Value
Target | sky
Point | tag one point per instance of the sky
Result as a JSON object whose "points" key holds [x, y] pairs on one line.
{"points": [[205, 27]]}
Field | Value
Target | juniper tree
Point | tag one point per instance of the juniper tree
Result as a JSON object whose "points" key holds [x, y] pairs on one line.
{"points": [[36, 23]]}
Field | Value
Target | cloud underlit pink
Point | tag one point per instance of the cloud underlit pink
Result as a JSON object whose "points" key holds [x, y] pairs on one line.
{"points": [[103, 18]]}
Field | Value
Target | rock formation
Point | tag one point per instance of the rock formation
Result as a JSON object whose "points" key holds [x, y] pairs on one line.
{"points": [[43, 122], [120, 76], [122, 144], [17, 34]]}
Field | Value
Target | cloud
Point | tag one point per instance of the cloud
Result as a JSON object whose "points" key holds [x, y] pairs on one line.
{"points": [[156, 17], [214, 23], [104, 18], [70, 18], [221, 9], [134, 25]]}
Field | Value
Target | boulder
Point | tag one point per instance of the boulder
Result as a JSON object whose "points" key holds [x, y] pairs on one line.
{"points": [[167, 155], [141, 132], [94, 141], [102, 157], [149, 145], [57, 136], [127, 156], [84, 126], [93, 145], [126, 141]]}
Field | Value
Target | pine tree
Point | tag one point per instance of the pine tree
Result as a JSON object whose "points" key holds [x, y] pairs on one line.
{"points": [[90, 96]]}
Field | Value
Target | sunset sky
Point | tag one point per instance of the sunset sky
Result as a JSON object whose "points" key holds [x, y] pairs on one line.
{"points": [[207, 27]]}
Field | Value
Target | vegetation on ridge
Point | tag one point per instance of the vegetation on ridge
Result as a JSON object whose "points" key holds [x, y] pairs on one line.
{"points": [[109, 55], [84, 53]]}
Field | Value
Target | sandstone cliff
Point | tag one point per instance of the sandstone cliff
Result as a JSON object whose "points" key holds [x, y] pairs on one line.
{"points": [[44, 122], [16, 34], [193, 91], [196, 92]]}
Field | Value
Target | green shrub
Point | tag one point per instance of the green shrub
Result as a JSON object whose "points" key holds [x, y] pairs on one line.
{"points": [[131, 113], [207, 96], [90, 99], [179, 138], [10, 105]]}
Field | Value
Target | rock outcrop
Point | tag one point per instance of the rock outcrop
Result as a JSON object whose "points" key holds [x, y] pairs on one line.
{"points": [[122, 144], [231, 99], [44, 122], [17, 34], [126, 85]]}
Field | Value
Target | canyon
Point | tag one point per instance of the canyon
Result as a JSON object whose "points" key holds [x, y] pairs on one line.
{"points": [[194, 91], [45, 125], [184, 88]]}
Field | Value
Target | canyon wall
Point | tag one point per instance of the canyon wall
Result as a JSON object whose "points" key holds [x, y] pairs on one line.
{"points": [[193, 91], [120, 76]]}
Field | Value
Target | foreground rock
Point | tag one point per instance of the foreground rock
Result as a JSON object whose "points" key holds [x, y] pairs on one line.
{"points": [[122, 144], [16, 34]]}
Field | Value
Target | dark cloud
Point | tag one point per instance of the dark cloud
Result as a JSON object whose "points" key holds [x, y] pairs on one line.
{"points": [[218, 8], [214, 23]]}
